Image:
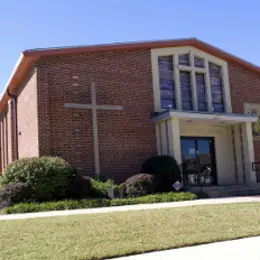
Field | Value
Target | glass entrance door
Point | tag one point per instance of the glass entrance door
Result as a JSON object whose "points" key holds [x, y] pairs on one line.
{"points": [[198, 160]]}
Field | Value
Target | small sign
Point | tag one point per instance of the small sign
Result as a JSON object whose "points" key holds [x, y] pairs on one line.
{"points": [[177, 185]]}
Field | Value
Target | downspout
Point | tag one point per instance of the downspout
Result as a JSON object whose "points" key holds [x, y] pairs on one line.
{"points": [[14, 97]]}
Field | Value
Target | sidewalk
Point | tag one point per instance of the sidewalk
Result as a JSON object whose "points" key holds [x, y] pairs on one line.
{"points": [[247, 248], [132, 207]]}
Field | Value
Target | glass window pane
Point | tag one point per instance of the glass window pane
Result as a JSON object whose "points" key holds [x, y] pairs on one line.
{"points": [[167, 94], [202, 106], [166, 74], [165, 63], [218, 108], [187, 105], [167, 104], [203, 152], [186, 91], [217, 97], [188, 149], [216, 88], [166, 84], [215, 71], [201, 92], [199, 62], [184, 59], [203, 146]]}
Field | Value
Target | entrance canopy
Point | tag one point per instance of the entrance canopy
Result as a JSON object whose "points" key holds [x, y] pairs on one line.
{"points": [[228, 118], [231, 133]]}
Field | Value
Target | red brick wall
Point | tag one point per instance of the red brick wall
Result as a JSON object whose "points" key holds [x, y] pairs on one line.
{"points": [[244, 87], [126, 138], [27, 117]]}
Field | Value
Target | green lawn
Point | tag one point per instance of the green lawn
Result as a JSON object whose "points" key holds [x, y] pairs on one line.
{"points": [[106, 235]]}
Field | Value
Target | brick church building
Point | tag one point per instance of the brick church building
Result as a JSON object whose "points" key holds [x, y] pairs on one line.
{"points": [[106, 108]]}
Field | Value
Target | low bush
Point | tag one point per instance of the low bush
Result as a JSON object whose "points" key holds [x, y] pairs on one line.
{"points": [[99, 188], [14, 193], [48, 177], [120, 190], [85, 186], [94, 203], [165, 169], [140, 185], [80, 187]]}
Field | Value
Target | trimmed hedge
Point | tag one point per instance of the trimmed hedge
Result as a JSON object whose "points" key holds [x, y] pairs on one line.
{"points": [[96, 203], [48, 177]]}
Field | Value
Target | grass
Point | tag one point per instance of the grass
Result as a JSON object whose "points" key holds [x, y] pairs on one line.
{"points": [[94, 203], [99, 236]]}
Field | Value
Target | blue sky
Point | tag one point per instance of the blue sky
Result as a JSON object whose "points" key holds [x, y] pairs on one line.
{"points": [[228, 24]]}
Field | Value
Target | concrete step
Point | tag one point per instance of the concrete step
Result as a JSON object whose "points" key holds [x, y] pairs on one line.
{"points": [[229, 191]]}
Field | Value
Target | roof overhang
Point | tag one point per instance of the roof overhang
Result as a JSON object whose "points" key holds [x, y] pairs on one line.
{"points": [[29, 57], [228, 118], [21, 69]]}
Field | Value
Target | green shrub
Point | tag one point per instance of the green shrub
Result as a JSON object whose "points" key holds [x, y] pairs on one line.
{"points": [[47, 177], [99, 188], [14, 193], [94, 203], [140, 185], [85, 186], [165, 169], [120, 190], [80, 187]]}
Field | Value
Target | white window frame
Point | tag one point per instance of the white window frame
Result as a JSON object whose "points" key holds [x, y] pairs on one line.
{"points": [[175, 52]]}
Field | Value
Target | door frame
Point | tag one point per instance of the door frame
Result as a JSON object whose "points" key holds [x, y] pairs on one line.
{"points": [[212, 152]]}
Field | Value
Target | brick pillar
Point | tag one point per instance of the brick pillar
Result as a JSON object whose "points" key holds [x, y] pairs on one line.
{"points": [[12, 130]]}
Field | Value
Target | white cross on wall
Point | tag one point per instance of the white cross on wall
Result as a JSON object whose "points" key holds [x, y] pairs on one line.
{"points": [[94, 107]]}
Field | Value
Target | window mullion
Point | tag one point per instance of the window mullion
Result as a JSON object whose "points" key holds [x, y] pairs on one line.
{"points": [[193, 83], [184, 68], [208, 86], [225, 90], [177, 82]]}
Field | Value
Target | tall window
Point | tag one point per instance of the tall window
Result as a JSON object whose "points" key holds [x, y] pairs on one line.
{"points": [[201, 92], [184, 59], [186, 91], [167, 94], [216, 88], [191, 80]]}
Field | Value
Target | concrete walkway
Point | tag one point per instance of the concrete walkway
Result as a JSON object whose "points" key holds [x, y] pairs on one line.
{"points": [[247, 248], [132, 207]]}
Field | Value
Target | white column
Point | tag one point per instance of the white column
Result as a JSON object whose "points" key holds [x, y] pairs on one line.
{"points": [[248, 148], [170, 136], [238, 154], [158, 139], [177, 82], [163, 131], [174, 139]]}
